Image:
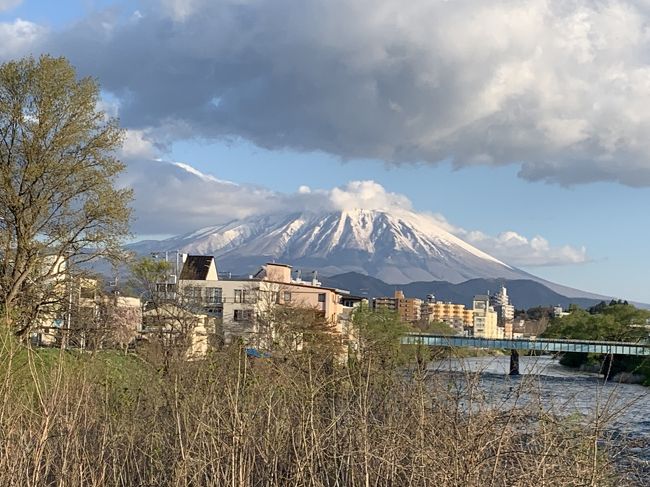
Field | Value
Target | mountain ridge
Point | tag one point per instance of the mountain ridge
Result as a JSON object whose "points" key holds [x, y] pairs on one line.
{"points": [[524, 293], [398, 246]]}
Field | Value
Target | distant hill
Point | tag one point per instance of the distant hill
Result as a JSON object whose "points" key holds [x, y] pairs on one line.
{"points": [[524, 293]]}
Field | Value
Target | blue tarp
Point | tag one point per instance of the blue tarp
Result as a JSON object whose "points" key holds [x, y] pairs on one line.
{"points": [[255, 353]]}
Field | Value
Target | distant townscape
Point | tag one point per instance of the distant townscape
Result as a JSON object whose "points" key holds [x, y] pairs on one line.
{"points": [[187, 295]]}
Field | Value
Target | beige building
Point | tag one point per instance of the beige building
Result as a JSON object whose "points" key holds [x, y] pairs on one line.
{"points": [[408, 309], [247, 308], [168, 323], [84, 317], [485, 318], [447, 312]]}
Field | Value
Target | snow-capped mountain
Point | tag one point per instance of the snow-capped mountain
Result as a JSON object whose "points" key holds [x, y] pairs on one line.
{"points": [[397, 247]]}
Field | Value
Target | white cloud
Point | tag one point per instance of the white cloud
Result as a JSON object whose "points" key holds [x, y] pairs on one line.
{"points": [[9, 4], [137, 145], [559, 88], [366, 194], [521, 251], [18, 37], [173, 198], [179, 10]]}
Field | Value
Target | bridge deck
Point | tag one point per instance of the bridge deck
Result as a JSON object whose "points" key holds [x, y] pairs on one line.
{"points": [[542, 345]]}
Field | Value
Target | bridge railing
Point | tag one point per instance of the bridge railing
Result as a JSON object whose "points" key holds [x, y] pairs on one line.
{"points": [[538, 344]]}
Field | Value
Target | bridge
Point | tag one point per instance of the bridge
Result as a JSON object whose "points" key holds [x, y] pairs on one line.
{"points": [[538, 345]]}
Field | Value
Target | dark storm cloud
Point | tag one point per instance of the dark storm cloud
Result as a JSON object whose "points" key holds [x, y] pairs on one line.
{"points": [[560, 88]]}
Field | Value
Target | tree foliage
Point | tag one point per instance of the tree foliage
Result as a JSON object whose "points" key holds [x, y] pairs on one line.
{"points": [[615, 322], [380, 332], [58, 200]]}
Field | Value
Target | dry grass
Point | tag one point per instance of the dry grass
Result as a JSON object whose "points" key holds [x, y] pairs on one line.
{"points": [[107, 420]]}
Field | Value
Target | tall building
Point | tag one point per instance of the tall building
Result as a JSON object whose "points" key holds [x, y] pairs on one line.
{"points": [[485, 318], [408, 309], [504, 309]]}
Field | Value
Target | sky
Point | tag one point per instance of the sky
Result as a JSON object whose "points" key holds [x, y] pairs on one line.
{"points": [[524, 127]]}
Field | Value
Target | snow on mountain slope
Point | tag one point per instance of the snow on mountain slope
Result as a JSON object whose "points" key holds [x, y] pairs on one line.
{"points": [[397, 247]]}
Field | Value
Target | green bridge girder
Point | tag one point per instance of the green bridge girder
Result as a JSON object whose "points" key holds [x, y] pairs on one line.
{"points": [[539, 344]]}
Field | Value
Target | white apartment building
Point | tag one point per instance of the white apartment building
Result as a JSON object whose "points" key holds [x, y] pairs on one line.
{"points": [[485, 318], [501, 304], [244, 306]]}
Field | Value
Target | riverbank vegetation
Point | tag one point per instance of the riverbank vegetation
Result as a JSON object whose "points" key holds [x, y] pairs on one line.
{"points": [[615, 321], [298, 418]]}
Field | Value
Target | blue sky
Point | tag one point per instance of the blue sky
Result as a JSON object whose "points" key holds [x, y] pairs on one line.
{"points": [[572, 168]]}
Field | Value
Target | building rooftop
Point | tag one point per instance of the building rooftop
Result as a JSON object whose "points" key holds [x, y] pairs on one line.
{"points": [[278, 264], [196, 267]]}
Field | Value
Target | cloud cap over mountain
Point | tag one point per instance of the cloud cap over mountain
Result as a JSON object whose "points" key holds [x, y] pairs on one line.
{"points": [[175, 198]]}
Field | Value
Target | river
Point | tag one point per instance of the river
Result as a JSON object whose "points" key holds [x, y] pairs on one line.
{"points": [[566, 391]]}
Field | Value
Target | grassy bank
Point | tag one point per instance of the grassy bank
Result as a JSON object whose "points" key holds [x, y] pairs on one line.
{"points": [[108, 419]]}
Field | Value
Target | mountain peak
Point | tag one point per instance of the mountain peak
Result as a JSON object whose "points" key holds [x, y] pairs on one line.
{"points": [[398, 245]]}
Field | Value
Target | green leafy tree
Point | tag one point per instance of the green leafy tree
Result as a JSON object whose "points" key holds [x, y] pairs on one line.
{"points": [[58, 200], [617, 322], [539, 312], [146, 275], [437, 328], [380, 335]]}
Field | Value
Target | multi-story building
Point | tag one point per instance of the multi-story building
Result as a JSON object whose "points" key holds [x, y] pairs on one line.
{"points": [[245, 306], [81, 316], [447, 312], [504, 309], [408, 309], [485, 318]]}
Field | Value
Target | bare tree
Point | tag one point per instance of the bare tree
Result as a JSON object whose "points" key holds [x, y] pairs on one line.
{"points": [[171, 314]]}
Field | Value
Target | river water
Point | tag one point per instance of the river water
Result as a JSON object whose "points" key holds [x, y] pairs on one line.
{"points": [[566, 392]]}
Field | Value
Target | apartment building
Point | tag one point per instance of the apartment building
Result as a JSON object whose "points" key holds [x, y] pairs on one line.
{"points": [[81, 316], [409, 310], [485, 318], [447, 312], [505, 311], [244, 305]]}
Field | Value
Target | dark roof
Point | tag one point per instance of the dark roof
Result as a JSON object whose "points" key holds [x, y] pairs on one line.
{"points": [[196, 267], [278, 264]]}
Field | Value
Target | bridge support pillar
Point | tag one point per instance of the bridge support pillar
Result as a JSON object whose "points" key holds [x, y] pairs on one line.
{"points": [[514, 362]]}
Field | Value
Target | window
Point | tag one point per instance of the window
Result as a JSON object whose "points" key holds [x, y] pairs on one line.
{"points": [[286, 297], [243, 315], [165, 288], [321, 297], [213, 295], [87, 292], [193, 293], [215, 311], [243, 296]]}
